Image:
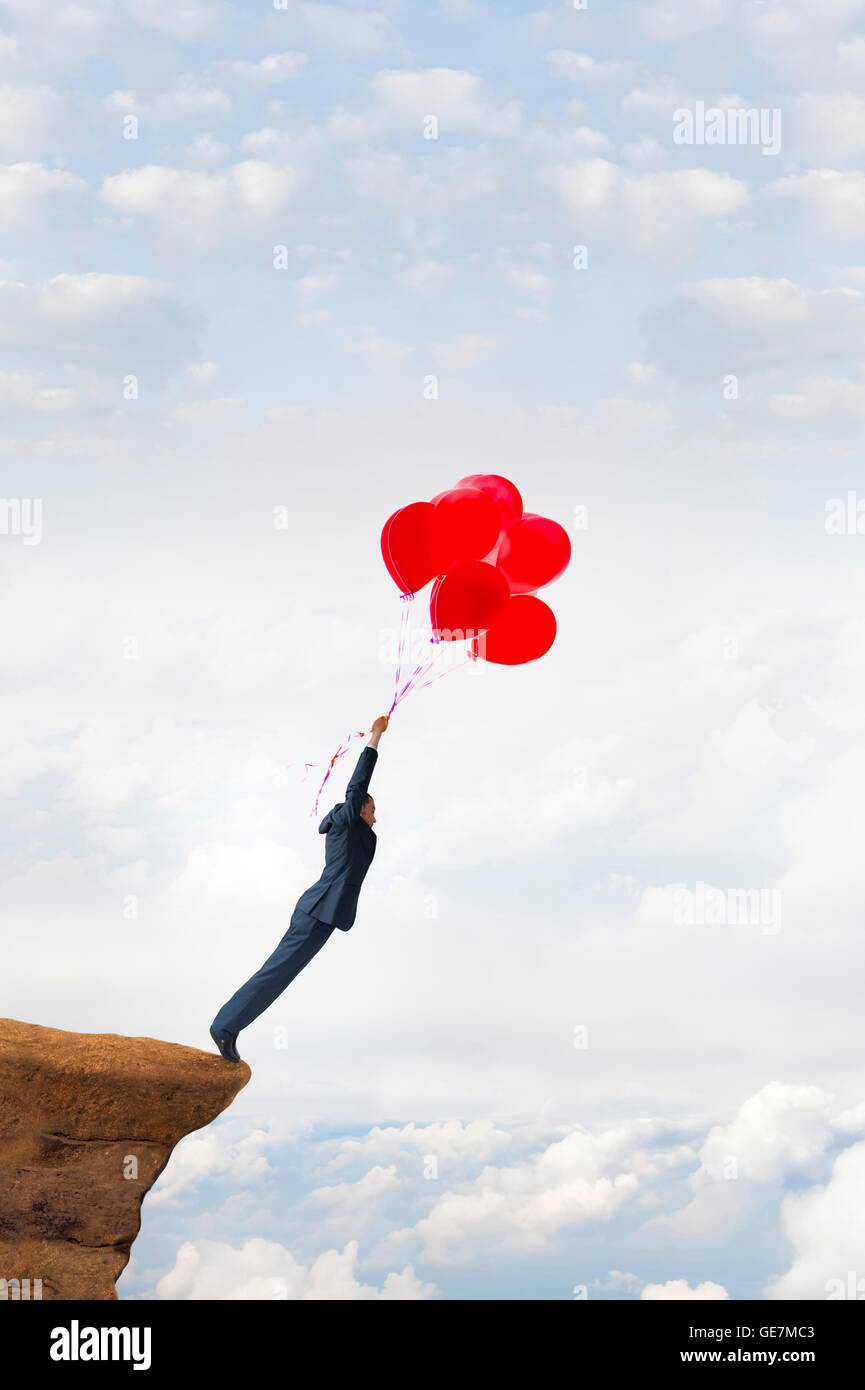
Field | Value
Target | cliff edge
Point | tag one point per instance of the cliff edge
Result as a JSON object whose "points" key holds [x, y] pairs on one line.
{"points": [[87, 1123]]}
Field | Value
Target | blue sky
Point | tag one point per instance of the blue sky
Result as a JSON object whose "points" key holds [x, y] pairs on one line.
{"points": [[420, 1123]]}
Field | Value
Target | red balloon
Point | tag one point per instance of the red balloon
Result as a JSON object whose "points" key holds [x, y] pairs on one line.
{"points": [[503, 492], [533, 552], [525, 630], [465, 525], [466, 600], [405, 546]]}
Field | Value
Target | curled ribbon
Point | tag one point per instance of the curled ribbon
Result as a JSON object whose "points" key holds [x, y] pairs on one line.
{"points": [[414, 682]]}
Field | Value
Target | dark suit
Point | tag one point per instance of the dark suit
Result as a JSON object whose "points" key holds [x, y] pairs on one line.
{"points": [[348, 853], [330, 903]]}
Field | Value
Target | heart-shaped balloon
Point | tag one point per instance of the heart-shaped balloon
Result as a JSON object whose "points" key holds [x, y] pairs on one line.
{"points": [[465, 525], [503, 492], [406, 546], [466, 600], [525, 630], [533, 552]]}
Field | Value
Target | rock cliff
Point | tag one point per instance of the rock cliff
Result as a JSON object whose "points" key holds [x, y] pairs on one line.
{"points": [[87, 1123]]}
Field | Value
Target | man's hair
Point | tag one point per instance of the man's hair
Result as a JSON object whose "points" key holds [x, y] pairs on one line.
{"points": [[366, 800]]}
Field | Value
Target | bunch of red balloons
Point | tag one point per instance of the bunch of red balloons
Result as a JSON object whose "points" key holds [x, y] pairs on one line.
{"points": [[487, 558]]}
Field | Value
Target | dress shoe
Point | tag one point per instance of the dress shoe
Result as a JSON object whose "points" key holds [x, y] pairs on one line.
{"points": [[226, 1047]]}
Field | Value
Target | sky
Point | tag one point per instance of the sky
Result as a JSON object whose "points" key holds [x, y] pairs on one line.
{"points": [[268, 274]]}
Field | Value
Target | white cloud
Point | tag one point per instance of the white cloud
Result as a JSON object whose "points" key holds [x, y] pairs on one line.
{"points": [[463, 351], [826, 877], [641, 373], [350, 1208], [658, 97], [209, 1153], [30, 392], [236, 878], [850, 1121], [32, 48], [426, 277], [123, 322], [680, 1289], [192, 211], [264, 1269], [202, 372], [318, 281], [449, 1140], [851, 54], [413, 189], [794, 39], [30, 194], [334, 28], [580, 67], [578, 1180], [669, 21], [275, 67], [382, 354], [653, 211], [617, 1279], [826, 1230], [527, 279], [826, 398], [189, 98], [461, 10], [533, 815], [204, 149], [645, 151], [779, 1131], [831, 199], [723, 326], [184, 20], [830, 126], [32, 119], [458, 100]]}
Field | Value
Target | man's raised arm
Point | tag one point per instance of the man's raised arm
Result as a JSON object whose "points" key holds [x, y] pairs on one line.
{"points": [[378, 727], [359, 784]]}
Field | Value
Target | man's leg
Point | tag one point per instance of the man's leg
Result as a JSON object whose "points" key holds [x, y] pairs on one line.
{"points": [[305, 936]]}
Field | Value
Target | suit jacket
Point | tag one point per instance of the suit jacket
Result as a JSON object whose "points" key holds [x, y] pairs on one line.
{"points": [[348, 852]]}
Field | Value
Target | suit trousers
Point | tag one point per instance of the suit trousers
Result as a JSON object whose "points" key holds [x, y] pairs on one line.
{"points": [[305, 936]]}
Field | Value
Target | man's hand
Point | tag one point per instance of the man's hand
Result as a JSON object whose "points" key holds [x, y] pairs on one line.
{"points": [[378, 728]]}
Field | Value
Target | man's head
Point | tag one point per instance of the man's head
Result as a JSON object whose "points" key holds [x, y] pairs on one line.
{"points": [[367, 810]]}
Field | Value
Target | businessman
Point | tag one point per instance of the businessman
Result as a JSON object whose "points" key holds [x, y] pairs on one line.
{"points": [[329, 903]]}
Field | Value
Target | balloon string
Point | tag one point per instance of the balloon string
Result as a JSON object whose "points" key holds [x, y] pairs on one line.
{"points": [[407, 600], [408, 687], [340, 753], [416, 681], [411, 684], [413, 681], [438, 675]]}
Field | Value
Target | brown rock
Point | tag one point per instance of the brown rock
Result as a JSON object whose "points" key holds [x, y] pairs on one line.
{"points": [[87, 1123]]}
